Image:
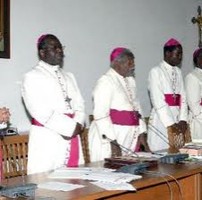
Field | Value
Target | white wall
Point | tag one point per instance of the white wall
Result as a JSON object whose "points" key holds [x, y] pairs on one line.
{"points": [[90, 29]]}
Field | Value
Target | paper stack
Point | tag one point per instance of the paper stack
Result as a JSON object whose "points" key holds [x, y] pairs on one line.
{"points": [[192, 148]]}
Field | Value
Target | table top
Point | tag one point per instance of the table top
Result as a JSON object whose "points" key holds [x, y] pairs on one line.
{"points": [[152, 177]]}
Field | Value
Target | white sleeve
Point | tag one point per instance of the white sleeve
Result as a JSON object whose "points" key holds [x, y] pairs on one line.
{"points": [[102, 95], [183, 112], [193, 94], [142, 126], [78, 103]]}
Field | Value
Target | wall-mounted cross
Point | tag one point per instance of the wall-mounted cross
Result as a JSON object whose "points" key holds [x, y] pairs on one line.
{"points": [[198, 20]]}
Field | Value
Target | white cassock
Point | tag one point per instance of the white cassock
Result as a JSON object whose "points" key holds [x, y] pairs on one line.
{"points": [[193, 85], [114, 93], [164, 80], [44, 96]]}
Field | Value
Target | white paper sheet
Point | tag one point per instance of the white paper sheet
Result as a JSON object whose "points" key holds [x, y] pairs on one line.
{"points": [[113, 177], [59, 186], [76, 173], [95, 174], [114, 186]]}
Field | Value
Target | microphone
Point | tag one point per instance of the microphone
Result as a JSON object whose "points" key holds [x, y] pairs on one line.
{"points": [[132, 168], [123, 148]]}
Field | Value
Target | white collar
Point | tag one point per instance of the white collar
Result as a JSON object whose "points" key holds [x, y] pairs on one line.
{"points": [[49, 67], [168, 66]]}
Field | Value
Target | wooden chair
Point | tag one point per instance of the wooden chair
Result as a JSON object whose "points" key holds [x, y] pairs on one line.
{"points": [[85, 146], [14, 155], [177, 139]]}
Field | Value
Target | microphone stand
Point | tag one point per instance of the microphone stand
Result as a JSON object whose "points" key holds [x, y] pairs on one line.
{"points": [[125, 149], [158, 133], [135, 168]]}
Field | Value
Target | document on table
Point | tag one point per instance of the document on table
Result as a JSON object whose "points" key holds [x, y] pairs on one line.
{"points": [[76, 172], [112, 177], [95, 174], [59, 186], [114, 186]]}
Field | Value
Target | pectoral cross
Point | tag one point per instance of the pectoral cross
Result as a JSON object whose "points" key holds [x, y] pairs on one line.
{"points": [[67, 100], [198, 20]]}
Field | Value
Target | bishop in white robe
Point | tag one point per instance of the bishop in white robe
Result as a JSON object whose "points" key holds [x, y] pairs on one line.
{"points": [[193, 84], [168, 97], [56, 106], [116, 111]]}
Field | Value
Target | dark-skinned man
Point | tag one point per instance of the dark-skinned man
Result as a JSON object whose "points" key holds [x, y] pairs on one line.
{"points": [[56, 106], [117, 110], [169, 105]]}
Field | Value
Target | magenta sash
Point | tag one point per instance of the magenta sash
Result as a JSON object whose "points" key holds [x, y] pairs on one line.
{"points": [[74, 146], [201, 103], [123, 117], [36, 123], [173, 99]]}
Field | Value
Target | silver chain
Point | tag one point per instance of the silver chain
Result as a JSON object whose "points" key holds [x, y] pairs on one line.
{"points": [[174, 81], [131, 101], [63, 88], [129, 95]]}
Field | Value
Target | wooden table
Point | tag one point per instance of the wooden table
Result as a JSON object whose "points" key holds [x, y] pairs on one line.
{"points": [[182, 181]]}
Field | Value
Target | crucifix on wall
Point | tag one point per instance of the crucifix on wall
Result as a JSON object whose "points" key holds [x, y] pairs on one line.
{"points": [[198, 20]]}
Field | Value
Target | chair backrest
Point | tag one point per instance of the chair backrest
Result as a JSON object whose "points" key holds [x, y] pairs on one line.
{"points": [[85, 146], [14, 155]]}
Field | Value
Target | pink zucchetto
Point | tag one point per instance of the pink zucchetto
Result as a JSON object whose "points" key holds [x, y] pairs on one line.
{"points": [[116, 52], [171, 42], [40, 39], [196, 52]]}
